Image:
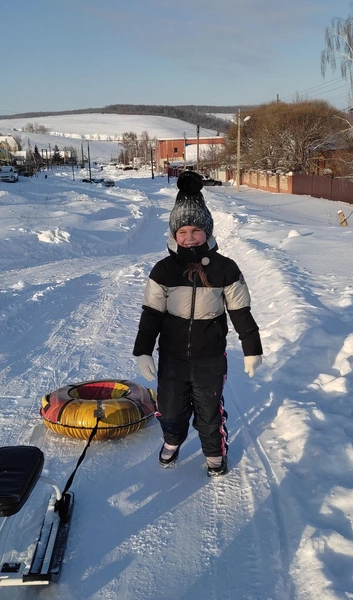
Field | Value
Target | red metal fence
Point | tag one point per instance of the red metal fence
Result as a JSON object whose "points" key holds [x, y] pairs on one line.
{"points": [[317, 186]]}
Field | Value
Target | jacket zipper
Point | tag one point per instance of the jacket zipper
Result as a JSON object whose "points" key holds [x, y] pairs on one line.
{"points": [[192, 312]]}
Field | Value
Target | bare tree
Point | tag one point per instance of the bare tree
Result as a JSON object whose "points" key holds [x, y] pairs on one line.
{"points": [[129, 142], [339, 46], [211, 158], [18, 141], [28, 127], [41, 129], [71, 154], [286, 137]]}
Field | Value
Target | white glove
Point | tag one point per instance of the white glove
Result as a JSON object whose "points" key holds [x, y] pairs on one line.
{"points": [[251, 363], [146, 367]]}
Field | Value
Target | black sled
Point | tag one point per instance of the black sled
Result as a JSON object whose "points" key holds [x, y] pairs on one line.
{"points": [[20, 470]]}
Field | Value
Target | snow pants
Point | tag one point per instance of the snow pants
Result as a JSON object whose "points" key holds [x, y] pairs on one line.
{"points": [[187, 388]]}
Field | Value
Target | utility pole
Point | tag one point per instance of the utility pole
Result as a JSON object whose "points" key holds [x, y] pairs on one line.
{"points": [[198, 147], [152, 162], [29, 153], [89, 161], [240, 122], [238, 151], [184, 151]]}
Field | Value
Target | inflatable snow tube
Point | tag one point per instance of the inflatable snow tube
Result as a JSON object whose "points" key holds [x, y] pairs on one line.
{"points": [[123, 407]]}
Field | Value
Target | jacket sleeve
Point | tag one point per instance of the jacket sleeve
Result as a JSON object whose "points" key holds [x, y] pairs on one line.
{"points": [[247, 330], [153, 311], [237, 299]]}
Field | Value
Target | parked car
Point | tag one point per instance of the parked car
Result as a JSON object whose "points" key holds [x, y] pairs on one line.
{"points": [[109, 183], [210, 181], [8, 173], [94, 180]]}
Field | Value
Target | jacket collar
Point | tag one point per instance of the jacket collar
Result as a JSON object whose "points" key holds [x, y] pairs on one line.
{"points": [[194, 254]]}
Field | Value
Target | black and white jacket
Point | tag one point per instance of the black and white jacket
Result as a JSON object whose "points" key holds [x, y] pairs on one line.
{"points": [[189, 318]]}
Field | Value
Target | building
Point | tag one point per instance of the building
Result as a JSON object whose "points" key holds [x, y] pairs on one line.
{"points": [[169, 150], [9, 142]]}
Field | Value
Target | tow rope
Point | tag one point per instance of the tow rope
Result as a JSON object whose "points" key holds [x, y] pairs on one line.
{"points": [[99, 413]]}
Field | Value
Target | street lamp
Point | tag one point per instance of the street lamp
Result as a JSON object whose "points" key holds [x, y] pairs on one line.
{"points": [[238, 146]]}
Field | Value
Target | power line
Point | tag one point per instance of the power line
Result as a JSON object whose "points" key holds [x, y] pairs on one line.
{"points": [[338, 97], [328, 91], [318, 87]]}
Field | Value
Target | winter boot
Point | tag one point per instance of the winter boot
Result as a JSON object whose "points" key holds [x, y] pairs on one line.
{"points": [[216, 466], [168, 455]]}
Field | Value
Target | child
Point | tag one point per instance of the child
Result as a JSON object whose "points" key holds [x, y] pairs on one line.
{"points": [[184, 304]]}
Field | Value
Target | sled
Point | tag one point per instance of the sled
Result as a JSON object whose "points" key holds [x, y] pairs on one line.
{"points": [[20, 471]]}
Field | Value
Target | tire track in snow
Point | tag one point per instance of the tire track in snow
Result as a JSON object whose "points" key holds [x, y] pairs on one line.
{"points": [[240, 537], [228, 528], [87, 341], [259, 268], [273, 503], [73, 344]]}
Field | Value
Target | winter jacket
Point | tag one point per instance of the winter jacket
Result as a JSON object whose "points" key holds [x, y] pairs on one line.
{"points": [[190, 318]]}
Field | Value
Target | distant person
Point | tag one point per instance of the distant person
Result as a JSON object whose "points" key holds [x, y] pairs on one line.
{"points": [[184, 304]]}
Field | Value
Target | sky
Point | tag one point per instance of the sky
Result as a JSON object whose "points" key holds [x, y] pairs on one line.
{"points": [[65, 55], [74, 260]]}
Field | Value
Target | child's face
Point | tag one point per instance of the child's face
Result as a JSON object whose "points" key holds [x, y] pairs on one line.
{"points": [[189, 236]]}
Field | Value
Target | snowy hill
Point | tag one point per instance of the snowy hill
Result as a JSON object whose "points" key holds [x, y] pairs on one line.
{"points": [[74, 262], [104, 130]]}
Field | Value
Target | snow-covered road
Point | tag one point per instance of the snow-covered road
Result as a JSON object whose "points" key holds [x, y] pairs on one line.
{"points": [[75, 260]]}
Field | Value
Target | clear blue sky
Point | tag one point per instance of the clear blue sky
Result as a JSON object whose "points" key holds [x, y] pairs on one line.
{"points": [[67, 54]]}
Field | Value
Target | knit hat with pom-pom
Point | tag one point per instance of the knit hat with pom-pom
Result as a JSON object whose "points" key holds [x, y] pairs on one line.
{"points": [[190, 207]]}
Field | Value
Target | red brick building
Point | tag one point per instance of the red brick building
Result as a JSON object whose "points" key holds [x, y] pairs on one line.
{"points": [[177, 150]]}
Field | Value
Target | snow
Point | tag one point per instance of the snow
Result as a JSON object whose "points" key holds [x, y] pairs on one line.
{"points": [[225, 116], [74, 261], [103, 131]]}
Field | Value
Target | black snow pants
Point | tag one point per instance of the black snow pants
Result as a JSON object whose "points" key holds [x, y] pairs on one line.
{"points": [[187, 388]]}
